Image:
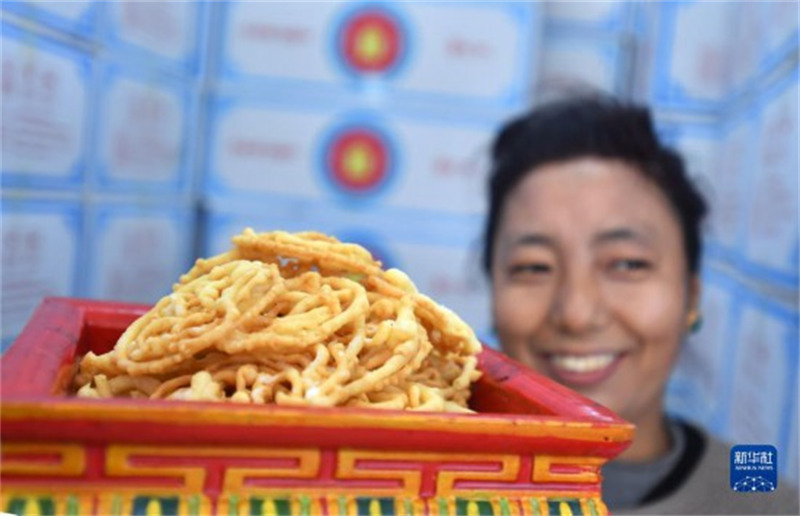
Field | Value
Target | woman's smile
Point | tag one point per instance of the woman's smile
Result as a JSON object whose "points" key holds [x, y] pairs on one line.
{"points": [[581, 370]]}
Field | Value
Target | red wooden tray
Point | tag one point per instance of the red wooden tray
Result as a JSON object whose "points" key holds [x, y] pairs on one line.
{"points": [[534, 447]]}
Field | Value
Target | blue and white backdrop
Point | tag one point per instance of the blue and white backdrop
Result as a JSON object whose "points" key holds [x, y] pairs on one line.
{"points": [[137, 136]]}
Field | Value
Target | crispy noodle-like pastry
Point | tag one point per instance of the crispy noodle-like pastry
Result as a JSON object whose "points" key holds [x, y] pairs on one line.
{"points": [[292, 319]]}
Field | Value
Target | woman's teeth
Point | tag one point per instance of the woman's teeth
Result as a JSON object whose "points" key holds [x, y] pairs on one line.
{"points": [[582, 363]]}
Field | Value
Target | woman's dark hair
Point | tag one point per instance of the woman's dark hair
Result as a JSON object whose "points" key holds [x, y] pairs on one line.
{"points": [[591, 126]]}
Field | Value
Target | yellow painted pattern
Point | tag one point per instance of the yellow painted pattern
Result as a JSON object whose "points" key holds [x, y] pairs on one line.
{"points": [[308, 461], [72, 459], [31, 508], [410, 479], [589, 469], [153, 508], [269, 508], [119, 463], [507, 472], [353, 468], [353, 464]]}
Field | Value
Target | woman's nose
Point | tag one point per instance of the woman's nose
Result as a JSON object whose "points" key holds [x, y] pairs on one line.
{"points": [[578, 304]]}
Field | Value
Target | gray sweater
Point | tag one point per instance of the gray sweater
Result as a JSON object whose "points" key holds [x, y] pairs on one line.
{"points": [[706, 489]]}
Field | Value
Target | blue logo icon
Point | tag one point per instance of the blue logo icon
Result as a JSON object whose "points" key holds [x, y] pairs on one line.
{"points": [[754, 468]]}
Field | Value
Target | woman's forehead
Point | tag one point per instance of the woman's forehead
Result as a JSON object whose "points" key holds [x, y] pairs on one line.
{"points": [[590, 195]]}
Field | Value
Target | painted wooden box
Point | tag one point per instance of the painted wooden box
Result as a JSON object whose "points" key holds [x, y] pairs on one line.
{"points": [[534, 447]]}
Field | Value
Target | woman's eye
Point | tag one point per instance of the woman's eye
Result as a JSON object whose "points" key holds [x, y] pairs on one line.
{"points": [[630, 265], [537, 269]]}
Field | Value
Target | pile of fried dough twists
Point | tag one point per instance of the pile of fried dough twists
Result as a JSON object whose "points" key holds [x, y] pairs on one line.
{"points": [[293, 319]]}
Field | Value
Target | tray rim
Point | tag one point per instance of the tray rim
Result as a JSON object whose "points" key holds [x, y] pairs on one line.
{"points": [[27, 405]]}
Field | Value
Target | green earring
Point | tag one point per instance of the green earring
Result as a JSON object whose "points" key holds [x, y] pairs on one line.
{"points": [[697, 322]]}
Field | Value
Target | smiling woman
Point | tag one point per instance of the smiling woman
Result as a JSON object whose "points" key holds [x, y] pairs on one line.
{"points": [[593, 250], [591, 288]]}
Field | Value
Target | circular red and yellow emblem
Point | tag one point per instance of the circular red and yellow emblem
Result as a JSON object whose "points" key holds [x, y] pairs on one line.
{"points": [[371, 41], [358, 160]]}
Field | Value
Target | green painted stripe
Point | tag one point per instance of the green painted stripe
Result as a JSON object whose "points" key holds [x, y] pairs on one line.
{"points": [[305, 506], [409, 507], [256, 504], [283, 506], [505, 510], [233, 505], [47, 506], [443, 507], [169, 505], [362, 505], [73, 507], [139, 505], [387, 506], [193, 505], [536, 508], [116, 505], [592, 507], [16, 505], [342, 506]]}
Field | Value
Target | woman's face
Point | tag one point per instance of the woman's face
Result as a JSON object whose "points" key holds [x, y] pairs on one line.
{"points": [[590, 283]]}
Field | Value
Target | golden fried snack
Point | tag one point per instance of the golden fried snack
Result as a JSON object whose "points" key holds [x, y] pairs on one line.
{"points": [[293, 319], [446, 329], [310, 311], [300, 251], [197, 315]]}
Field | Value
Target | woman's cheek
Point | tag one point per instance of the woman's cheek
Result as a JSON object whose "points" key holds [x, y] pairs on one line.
{"points": [[519, 324], [654, 311], [515, 311]]}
